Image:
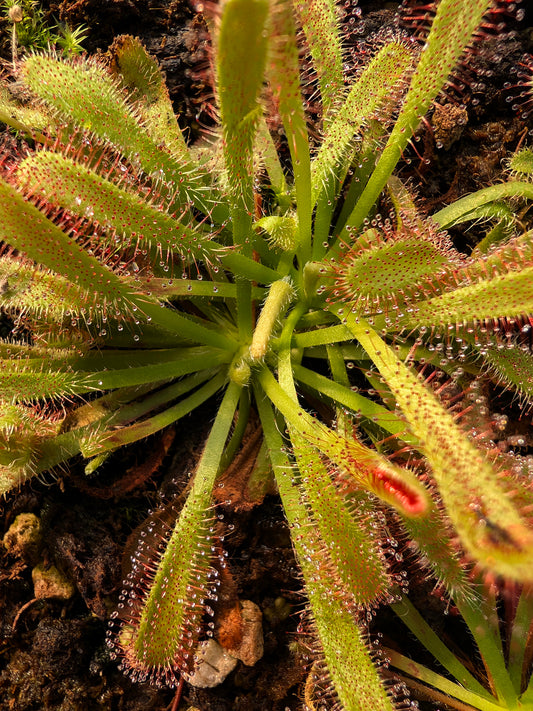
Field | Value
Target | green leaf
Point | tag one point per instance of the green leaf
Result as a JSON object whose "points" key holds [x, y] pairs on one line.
{"points": [[22, 431], [161, 621], [384, 274], [484, 516], [320, 23], [433, 538], [510, 365], [496, 285], [451, 31], [522, 162], [85, 94], [355, 680], [352, 546], [503, 296], [278, 299], [374, 88], [130, 217], [265, 149], [37, 292], [136, 70], [465, 208], [27, 119], [242, 41], [284, 79], [364, 467], [282, 230], [31, 380], [24, 227]]}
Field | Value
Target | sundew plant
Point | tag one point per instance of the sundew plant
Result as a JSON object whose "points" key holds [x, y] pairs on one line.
{"points": [[278, 263]]}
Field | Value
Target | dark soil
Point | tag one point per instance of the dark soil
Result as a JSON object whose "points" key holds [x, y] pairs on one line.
{"points": [[53, 653]]}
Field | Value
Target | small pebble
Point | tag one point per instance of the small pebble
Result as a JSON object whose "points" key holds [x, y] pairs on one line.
{"points": [[23, 538], [51, 583], [213, 664]]}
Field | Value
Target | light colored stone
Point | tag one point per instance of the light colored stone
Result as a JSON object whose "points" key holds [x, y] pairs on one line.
{"points": [[251, 648], [51, 583], [23, 537], [212, 665]]}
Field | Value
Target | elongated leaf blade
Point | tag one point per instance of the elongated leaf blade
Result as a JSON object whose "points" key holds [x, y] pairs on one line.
{"points": [[354, 679], [85, 94], [373, 88], [27, 229], [504, 296], [356, 556], [284, 78], [489, 525], [242, 41], [28, 381], [160, 622], [320, 22], [451, 31], [69, 184], [496, 285], [141, 75]]}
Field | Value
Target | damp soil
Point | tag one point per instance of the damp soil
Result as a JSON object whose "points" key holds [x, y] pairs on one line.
{"points": [[53, 652]]}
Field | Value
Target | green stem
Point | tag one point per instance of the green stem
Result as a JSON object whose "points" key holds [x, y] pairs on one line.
{"points": [[339, 373], [322, 224], [244, 307], [458, 211], [355, 402], [246, 268], [337, 366], [491, 651], [283, 396], [186, 288], [313, 319], [56, 451], [348, 454], [60, 449], [125, 405], [139, 430], [107, 380], [362, 164], [171, 320], [132, 412], [422, 673], [322, 337], [210, 462], [527, 697], [410, 617], [243, 418], [520, 637], [115, 359]]}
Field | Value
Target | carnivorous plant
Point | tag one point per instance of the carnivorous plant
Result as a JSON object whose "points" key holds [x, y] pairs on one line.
{"points": [[278, 262]]}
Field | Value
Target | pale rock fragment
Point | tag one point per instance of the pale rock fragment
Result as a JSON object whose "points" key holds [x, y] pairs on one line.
{"points": [[212, 665], [51, 583], [23, 537]]}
